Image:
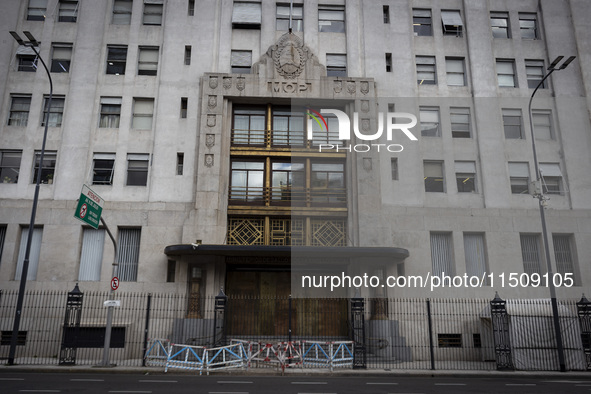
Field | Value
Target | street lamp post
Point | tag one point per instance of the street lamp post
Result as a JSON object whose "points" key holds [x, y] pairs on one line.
{"points": [[539, 194], [32, 43]]}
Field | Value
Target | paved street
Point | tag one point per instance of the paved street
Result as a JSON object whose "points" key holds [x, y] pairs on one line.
{"points": [[169, 384]]}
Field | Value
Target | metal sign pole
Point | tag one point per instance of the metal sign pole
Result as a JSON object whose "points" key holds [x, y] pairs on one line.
{"points": [[105, 362]]}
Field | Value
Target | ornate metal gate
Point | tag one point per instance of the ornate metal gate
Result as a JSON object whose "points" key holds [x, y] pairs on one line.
{"points": [[500, 327], [358, 333], [584, 311], [71, 327]]}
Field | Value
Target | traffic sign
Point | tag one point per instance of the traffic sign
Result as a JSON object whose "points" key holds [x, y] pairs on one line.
{"points": [[90, 206], [115, 283]]}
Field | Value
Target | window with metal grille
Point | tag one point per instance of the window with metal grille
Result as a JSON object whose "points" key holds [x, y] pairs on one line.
{"points": [[421, 22], [102, 168], [53, 115], [499, 24], [331, 18], [287, 127], [110, 112], [449, 340], [19, 110], [519, 177], [153, 12], [91, 256], [61, 56], [122, 12], [247, 181], [249, 126], [563, 254], [128, 253], [297, 17], [68, 11], [530, 252], [34, 253], [441, 254], [434, 179], [474, 253], [460, 122], [10, 164], [21, 339], [426, 70]]}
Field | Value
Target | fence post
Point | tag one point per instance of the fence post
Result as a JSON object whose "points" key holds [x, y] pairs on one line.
{"points": [[219, 309], [71, 328], [358, 332], [500, 327], [289, 320], [584, 312], [146, 328], [430, 322]]}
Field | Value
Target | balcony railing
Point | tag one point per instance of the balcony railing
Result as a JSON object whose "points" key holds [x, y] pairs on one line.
{"points": [[287, 195]]}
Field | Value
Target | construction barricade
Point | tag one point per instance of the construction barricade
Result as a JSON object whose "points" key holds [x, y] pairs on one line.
{"points": [[331, 355], [157, 352], [186, 357]]}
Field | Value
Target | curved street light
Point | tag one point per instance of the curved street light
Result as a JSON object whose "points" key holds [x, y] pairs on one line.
{"points": [[32, 43]]}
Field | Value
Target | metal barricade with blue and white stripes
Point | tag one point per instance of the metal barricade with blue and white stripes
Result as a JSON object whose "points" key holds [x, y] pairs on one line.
{"points": [[157, 352], [186, 357], [327, 354]]}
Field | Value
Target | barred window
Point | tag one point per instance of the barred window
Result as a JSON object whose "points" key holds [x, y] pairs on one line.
{"points": [[128, 253]]}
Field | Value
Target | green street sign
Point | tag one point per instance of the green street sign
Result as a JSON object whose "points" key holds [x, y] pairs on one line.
{"points": [[90, 206]]}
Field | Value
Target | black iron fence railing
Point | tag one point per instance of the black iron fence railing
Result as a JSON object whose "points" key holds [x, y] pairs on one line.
{"points": [[442, 334]]}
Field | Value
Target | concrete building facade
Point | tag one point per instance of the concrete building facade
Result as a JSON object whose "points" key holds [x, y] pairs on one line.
{"points": [[149, 96]]}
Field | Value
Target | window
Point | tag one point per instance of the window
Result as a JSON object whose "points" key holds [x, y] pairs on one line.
{"points": [[10, 164], [91, 256], [429, 119], [241, 62], [386, 10], [191, 7], [474, 253], [110, 112], [61, 56], [102, 168], [388, 62], [170, 271], [328, 182], [441, 254], [246, 15], [153, 12], [184, 105], [137, 169], [519, 177], [434, 180], [48, 167], [534, 69], [563, 253], [394, 168], [147, 61], [426, 71], [452, 23], [68, 11], [449, 340], [288, 181], [122, 12], [528, 26], [499, 24], [421, 22], [128, 253], [455, 71], [7, 338], [143, 112], [530, 252], [247, 180], [551, 178], [466, 176], [187, 55], [331, 18], [506, 73], [36, 10], [542, 125], [512, 123], [26, 58], [297, 17], [116, 59], [33, 253], [249, 126], [287, 127], [56, 112], [19, 110], [321, 136], [460, 122], [336, 65], [180, 160]]}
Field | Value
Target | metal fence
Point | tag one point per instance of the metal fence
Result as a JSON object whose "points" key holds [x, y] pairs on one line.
{"points": [[442, 334]]}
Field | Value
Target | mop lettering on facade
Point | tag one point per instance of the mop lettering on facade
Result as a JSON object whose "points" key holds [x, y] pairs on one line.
{"points": [[344, 126]]}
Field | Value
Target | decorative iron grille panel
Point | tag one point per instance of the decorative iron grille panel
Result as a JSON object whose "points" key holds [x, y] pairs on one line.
{"points": [[287, 232], [246, 231], [329, 232]]}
